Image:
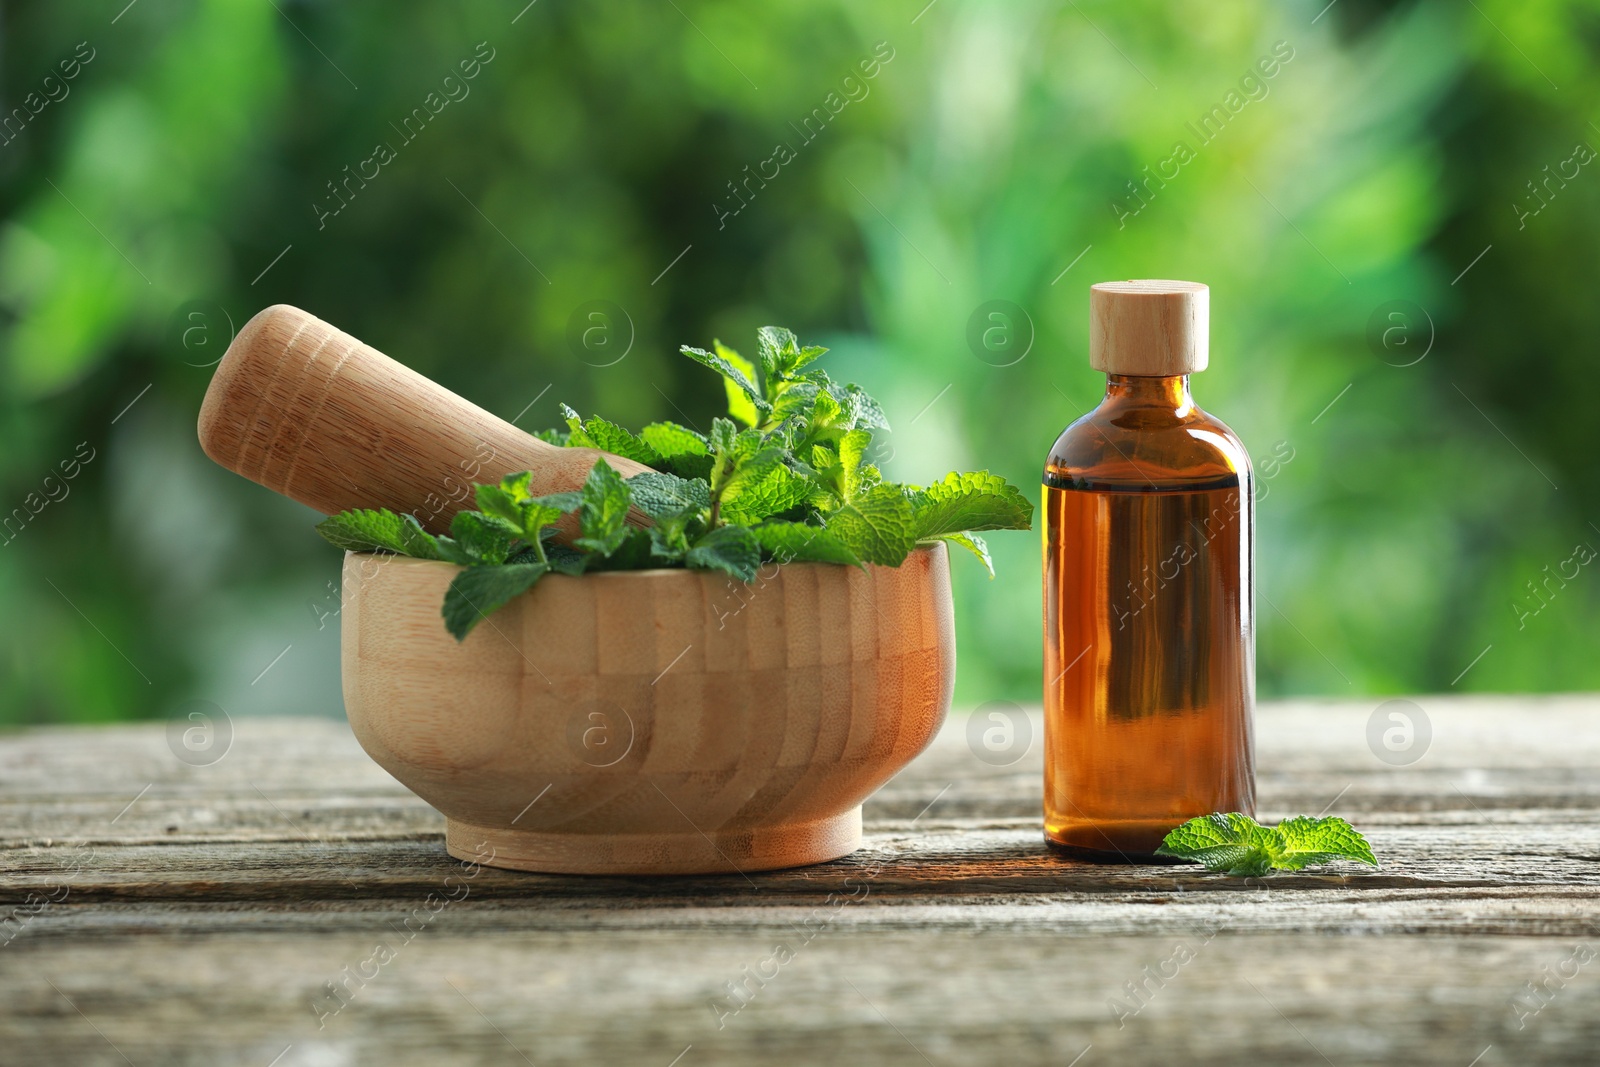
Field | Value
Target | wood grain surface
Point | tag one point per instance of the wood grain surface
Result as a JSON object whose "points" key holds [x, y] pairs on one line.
{"points": [[156, 912]]}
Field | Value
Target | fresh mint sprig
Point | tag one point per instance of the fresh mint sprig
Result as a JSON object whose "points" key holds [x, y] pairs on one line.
{"points": [[1236, 844], [786, 477]]}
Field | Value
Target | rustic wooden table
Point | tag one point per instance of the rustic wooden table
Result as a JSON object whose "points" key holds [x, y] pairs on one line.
{"points": [[162, 913]]}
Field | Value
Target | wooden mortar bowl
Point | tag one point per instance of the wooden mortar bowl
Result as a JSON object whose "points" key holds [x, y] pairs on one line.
{"points": [[651, 722]]}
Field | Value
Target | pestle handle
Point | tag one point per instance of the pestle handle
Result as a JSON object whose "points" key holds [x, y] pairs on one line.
{"points": [[310, 412]]}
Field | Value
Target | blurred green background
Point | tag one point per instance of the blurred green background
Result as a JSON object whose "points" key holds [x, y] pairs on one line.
{"points": [[1443, 461]]}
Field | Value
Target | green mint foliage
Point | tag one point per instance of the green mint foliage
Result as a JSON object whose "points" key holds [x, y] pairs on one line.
{"points": [[974, 544], [800, 542], [477, 539], [552, 436], [683, 452], [603, 511], [787, 477], [479, 590], [1308, 841], [662, 496], [965, 502], [781, 355], [733, 550], [763, 488], [736, 372], [607, 436], [877, 525], [360, 530], [1236, 844], [634, 552]]}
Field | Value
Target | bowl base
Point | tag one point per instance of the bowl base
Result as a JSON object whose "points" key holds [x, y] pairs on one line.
{"points": [[763, 848]]}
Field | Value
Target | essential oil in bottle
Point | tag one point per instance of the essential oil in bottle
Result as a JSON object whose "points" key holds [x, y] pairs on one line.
{"points": [[1149, 595]]}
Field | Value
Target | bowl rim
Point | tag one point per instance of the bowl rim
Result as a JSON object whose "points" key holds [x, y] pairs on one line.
{"points": [[394, 557]]}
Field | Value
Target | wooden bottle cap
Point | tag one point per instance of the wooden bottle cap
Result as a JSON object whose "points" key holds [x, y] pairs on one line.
{"points": [[1149, 327]]}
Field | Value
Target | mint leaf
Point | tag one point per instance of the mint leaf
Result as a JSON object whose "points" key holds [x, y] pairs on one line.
{"points": [[476, 538], [825, 461], [964, 502], [499, 501], [603, 510], [536, 515], [564, 559], [780, 352], [553, 437], [361, 530], [799, 542], [733, 550], [562, 502], [826, 414], [861, 411], [974, 544], [736, 371], [633, 553], [852, 450], [672, 440], [878, 526], [669, 539], [1235, 843], [760, 490], [683, 452], [738, 459], [724, 450], [1238, 845], [477, 591], [794, 401], [607, 436], [510, 502], [612, 438], [1307, 841], [576, 438], [659, 495], [669, 439]]}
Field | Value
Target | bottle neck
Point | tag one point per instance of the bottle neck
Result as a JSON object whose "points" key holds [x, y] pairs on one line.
{"points": [[1168, 393]]}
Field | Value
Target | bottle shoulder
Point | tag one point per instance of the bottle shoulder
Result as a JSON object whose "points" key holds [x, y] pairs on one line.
{"points": [[1144, 449]]}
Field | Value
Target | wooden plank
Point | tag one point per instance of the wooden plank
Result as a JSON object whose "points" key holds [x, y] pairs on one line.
{"points": [[934, 856], [285, 778], [914, 997], [193, 914]]}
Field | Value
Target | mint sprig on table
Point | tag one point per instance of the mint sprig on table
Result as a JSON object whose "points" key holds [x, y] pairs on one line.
{"points": [[785, 478], [1237, 844]]}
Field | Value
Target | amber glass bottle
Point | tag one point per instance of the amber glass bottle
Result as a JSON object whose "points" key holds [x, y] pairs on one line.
{"points": [[1149, 597]]}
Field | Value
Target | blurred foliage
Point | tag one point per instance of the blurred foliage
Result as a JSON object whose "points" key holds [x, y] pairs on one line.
{"points": [[168, 191]]}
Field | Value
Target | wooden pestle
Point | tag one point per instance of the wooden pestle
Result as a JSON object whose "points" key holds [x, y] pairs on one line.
{"points": [[310, 412]]}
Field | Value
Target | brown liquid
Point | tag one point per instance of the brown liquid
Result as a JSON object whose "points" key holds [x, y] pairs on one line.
{"points": [[1149, 661]]}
